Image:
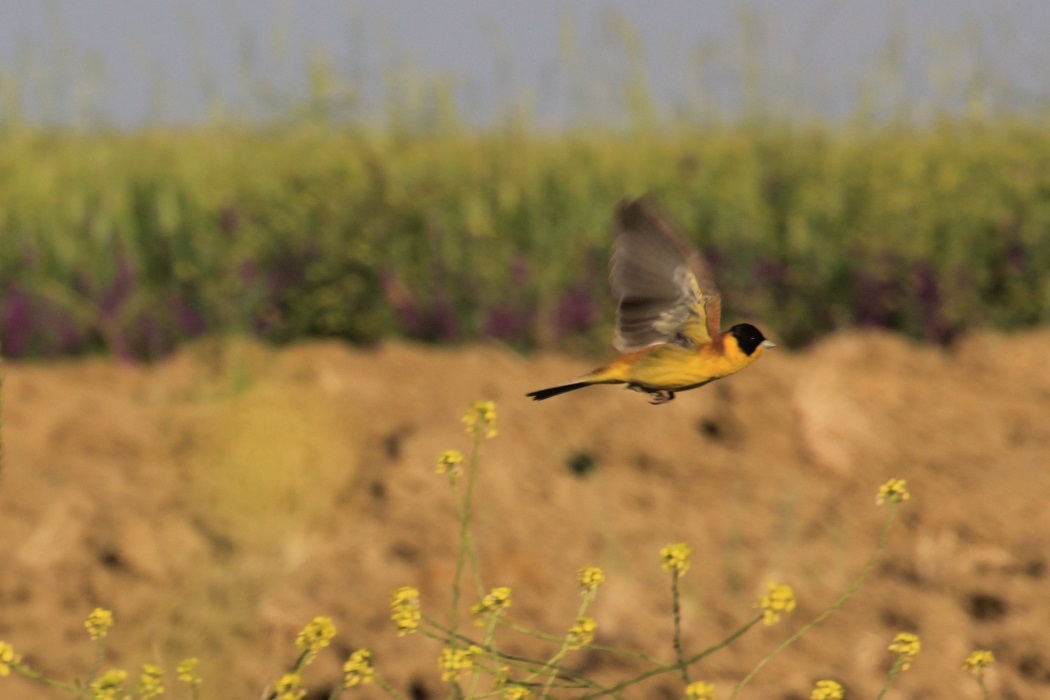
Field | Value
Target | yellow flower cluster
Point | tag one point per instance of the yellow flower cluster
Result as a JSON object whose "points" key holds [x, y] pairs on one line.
{"points": [[450, 462], [906, 645], [315, 636], [480, 419], [895, 491], [590, 578], [778, 602], [109, 686], [289, 687], [8, 658], [516, 692], [699, 690], [151, 682], [406, 614], [456, 661], [358, 669], [582, 633], [186, 671], [977, 661], [827, 690], [676, 557], [98, 623], [498, 599]]}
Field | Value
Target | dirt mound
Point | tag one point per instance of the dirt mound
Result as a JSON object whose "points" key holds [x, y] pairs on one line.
{"points": [[217, 502]]}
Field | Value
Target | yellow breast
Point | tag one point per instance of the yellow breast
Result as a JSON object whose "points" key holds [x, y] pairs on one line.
{"points": [[673, 366]]}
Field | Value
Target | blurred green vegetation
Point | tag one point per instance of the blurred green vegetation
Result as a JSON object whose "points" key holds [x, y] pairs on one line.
{"points": [[132, 242]]}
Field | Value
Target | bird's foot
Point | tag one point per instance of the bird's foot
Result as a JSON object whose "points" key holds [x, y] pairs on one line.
{"points": [[662, 396]]}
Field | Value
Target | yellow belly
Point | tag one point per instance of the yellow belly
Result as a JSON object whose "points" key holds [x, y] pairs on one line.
{"points": [[674, 367]]}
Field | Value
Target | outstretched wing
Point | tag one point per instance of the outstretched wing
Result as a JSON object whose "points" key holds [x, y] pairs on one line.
{"points": [[663, 290]]}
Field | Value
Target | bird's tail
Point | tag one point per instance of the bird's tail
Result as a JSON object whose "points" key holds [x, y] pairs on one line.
{"points": [[555, 390]]}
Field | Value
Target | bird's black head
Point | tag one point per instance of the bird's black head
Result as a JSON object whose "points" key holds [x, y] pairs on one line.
{"points": [[748, 338]]}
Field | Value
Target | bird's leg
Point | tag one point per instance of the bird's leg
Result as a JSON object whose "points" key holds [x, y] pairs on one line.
{"points": [[662, 396]]}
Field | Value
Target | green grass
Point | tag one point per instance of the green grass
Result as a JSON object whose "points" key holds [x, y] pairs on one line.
{"points": [[132, 242]]}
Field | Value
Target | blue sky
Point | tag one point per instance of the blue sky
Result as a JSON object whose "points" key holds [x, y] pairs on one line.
{"points": [[136, 62]]}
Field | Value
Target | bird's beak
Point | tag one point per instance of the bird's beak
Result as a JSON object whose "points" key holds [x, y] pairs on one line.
{"points": [[768, 344]]}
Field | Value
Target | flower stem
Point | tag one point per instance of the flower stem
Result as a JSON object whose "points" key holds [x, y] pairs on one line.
{"points": [[894, 670], [30, 673], [673, 667], [865, 572], [682, 666], [465, 550]]}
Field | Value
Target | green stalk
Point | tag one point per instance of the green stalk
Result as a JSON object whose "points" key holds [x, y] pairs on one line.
{"points": [[865, 572], [894, 670], [465, 551], [556, 659], [674, 667], [984, 688], [678, 628], [30, 673], [100, 655]]}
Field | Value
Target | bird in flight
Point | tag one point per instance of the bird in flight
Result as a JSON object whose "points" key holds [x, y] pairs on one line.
{"points": [[668, 314]]}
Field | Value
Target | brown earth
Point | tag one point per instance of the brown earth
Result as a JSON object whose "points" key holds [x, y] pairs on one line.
{"points": [[220, 500]]}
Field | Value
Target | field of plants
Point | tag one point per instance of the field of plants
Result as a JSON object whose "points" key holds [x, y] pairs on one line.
{"points": [[225, 473], [133, 242]]}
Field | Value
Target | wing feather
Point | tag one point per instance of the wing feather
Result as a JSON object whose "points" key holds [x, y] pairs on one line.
{"points": [[663, 290]]}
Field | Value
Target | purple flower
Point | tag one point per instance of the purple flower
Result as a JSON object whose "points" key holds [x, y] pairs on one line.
{"points": [[576, 310], [505, 323]]}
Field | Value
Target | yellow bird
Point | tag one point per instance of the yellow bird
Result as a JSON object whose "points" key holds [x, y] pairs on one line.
{"points": [[667, 316]]}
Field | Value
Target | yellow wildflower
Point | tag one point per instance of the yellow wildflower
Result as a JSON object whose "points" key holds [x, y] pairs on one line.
{"points": [[450, 462], [98, 623], [456, 661], [977, 661], [8, 658], [827, 690], [109, 686], [698, 690], [492, 603], [358, 669], [516, 692], [315, 637], [186, 671], [582, 633], [404, 604], [151, 682], [778, 602], [676, 557], [906, 645], [590, 577], [480, 419], [289, 687], [895, 491]]}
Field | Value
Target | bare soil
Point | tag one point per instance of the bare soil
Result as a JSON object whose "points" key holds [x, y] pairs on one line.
{"points": [[218, 501]]}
